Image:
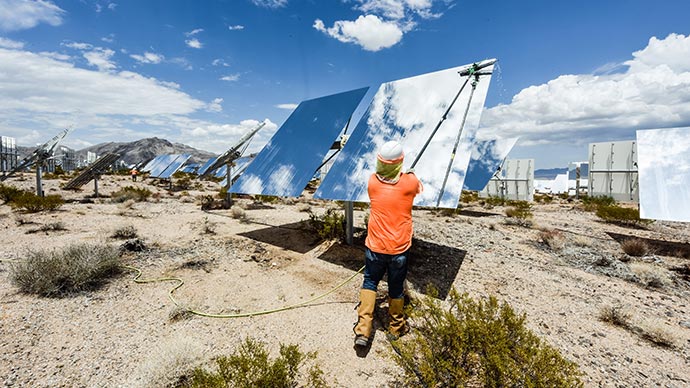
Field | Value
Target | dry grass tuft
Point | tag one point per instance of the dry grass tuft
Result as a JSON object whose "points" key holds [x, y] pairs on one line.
{"points": [[656, 333], [207, 226], [635, 247], [651, 275], [169, 364], [553, 238], [238, 213], [615, 315], [125, 233]]}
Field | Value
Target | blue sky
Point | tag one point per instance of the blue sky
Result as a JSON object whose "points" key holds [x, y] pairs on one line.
{"points": [[205, 72]]}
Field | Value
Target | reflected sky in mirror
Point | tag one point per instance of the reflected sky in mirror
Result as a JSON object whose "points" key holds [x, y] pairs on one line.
{"points": [[152, 163], [664, 173], [161, 163], [407, 111], [173, 167], [202, 170], [487, 156], [288, 161]]}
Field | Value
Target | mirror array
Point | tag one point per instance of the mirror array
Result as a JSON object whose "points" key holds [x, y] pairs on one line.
{"points": [[408, 111], [159, 164], [664, 173], [290, 159], [94, 171], [613, 170], [8, 153], [172, 167]]}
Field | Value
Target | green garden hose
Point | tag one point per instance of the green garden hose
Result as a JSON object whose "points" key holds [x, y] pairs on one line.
{"points": [[238, 315]]}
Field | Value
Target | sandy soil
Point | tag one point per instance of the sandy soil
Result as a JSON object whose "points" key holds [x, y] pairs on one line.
{"points": [[122, 334]]}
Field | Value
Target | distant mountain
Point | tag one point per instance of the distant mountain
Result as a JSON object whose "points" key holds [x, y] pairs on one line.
{"points": [[143, 150], [549, 173]]}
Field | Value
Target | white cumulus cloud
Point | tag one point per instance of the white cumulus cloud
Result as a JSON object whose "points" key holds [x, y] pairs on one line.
{"points": [[148, 57], [369, 31], [10, 44], [236, 27], [384, 22], [270, 3], [194, 43], [24, 14], [653, 92], [100, 58], [215, 105], [287, 106], [231, 77]]}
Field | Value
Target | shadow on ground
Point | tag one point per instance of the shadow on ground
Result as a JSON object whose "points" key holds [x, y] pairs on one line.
{"points": [[296, 237], [430, 264], [659, 247]]}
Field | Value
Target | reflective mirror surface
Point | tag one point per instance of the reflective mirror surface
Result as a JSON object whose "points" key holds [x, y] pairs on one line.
{"points": [[288, 161], [407, 111], [159, 164], [664, 168], [487, 157], [172, 167]]}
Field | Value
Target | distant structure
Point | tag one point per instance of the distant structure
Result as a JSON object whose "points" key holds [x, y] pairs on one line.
{"points": [[613, 170], [8, 154], [64, 157], [513, 180]]}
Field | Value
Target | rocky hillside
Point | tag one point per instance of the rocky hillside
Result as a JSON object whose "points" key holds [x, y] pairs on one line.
{"points": [[136, 151], [145, 149]]}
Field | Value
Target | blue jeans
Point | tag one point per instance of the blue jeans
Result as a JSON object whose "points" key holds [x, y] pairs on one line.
{"points": [[376, 266]]}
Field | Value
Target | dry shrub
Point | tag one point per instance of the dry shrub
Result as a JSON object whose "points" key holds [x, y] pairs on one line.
{"points": [[553, 238], [33, 203], [329, 226], [50, 227], [520, 213], [593, 203], [125, 232], [581, 241], [238, 213], [615, 315], [635, 247], [169, 365], [478, 343], [9, 193], [651, 275], [658, 334], [621, 215], [59, 272], [303, 207], [207, 226], [130, 193]]}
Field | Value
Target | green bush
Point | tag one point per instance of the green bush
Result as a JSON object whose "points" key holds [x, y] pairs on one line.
{"points": [[33, 203], [330, 225], [478, 343], [469, 196], [129, 192], [620, 215], [593, 203], [71, 269], [9, 193], [250, 367], [543, 198], [519, 209], [495, 201]]}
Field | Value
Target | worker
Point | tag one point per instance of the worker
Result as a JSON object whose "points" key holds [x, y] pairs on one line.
{"points": [[134, 173], [388, 241]]}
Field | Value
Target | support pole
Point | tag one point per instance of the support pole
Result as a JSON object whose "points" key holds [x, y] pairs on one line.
{"points": [[95, 187], [349, 222], [228, 183], [39, 181]]}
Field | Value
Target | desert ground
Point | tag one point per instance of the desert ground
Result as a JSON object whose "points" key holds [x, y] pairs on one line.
{"points": [[262, 257]]}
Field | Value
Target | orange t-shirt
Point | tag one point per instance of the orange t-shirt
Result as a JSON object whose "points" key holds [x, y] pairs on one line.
{"points": [[390, 221]]}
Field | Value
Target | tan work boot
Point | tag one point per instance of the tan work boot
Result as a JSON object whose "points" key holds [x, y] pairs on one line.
{"points": [[365, 314], [397, 326]]}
